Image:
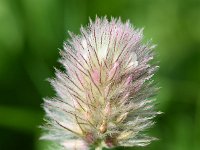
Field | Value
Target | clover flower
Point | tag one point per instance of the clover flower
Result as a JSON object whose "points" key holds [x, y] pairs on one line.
{"points": [[104, 96]]}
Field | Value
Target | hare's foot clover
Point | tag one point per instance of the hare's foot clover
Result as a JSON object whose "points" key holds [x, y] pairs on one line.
{"points": [[104, 98]]}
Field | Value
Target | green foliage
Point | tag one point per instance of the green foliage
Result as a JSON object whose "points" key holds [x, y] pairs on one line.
{"points": [[31, 31]]}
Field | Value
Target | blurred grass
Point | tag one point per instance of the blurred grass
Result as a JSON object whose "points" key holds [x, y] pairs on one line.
{"points": [[31, 31]]}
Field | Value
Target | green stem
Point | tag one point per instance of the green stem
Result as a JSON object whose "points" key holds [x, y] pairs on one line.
{"points": [[99, 148]]}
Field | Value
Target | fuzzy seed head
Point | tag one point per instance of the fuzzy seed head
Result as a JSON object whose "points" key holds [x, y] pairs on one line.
{"points": [[104, 95]]}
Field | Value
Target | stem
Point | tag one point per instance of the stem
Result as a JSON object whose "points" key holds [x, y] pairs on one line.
{"points": [[99, 148]]}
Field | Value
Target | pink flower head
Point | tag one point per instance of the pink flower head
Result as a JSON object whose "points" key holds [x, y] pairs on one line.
{"points": [[104, 96]]}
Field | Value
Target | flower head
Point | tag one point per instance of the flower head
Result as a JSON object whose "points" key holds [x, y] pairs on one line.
{"points": [[104, 98]]}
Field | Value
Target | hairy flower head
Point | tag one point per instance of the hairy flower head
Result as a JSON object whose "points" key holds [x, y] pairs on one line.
{"points": [[104, 96]]}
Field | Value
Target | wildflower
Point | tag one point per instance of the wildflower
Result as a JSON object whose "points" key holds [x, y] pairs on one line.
{"points": [[104, 98]]}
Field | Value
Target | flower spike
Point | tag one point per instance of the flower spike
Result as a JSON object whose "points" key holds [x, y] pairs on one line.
{"points": [[104, 96]]}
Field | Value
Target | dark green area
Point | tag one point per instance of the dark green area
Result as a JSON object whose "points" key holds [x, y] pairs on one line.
{"points": [[31, 31]]}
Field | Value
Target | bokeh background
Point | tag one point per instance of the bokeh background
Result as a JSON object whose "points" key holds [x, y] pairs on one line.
{"points": [[31, 31]]}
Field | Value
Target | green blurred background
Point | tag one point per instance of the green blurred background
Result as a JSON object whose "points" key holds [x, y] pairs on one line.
{"points": [[31, 31]]}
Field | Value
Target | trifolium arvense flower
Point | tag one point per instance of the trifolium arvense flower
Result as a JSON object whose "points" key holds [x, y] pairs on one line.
{"points": [[104, 98]]}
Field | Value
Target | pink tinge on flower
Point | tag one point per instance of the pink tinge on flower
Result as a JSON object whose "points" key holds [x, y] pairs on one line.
{"points": [[96, 76], [109, 142], [89, 138], [113, 72], [128, 80]]}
